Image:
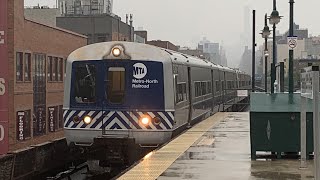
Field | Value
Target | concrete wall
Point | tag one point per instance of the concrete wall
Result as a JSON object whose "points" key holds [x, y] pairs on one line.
{"points": [[98, 28], [43, 16]]}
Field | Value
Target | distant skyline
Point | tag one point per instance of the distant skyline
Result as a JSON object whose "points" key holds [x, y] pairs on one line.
{"points": [[186, 22]]}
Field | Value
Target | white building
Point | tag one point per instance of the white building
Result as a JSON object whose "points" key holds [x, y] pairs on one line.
{"points": [[211, 48]]}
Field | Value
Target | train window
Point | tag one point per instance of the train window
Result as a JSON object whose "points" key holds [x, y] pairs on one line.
{"points": [[184, 88], [218, 86], [203, 88], [116, 85], [181, 92], [85, 83], [209, 86], [197, 86]]}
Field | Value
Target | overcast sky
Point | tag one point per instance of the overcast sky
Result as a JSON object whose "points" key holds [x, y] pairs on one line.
{"points": [[185, 22]]}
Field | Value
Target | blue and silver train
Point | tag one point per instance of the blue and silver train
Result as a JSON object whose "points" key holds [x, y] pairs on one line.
{"points": [[120, 91]]}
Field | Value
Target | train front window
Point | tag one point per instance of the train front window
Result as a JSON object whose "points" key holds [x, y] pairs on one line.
{"points": [[85, 83], [116, 85]]}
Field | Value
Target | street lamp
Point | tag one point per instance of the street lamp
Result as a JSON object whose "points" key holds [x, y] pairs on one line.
{"points": [[274, 19], [265, 34]]}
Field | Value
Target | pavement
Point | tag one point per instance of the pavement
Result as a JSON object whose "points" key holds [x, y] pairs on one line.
{"points": [[223, 153]]}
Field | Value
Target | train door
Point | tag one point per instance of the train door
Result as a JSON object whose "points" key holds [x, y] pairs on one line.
{"points": [[190, 85], [114, 99]]}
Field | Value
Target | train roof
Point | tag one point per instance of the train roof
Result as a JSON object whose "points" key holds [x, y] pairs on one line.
{"points": [[151, 53]]}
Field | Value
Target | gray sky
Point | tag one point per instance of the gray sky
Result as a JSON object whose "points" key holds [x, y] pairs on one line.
{"points": [[185, 22]]}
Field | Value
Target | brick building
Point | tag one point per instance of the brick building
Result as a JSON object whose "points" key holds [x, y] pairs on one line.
{"points": [[32, 66]]}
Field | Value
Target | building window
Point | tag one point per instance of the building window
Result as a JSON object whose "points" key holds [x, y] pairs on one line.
{"points": [[23, 125], [39, 97], [49, 67], [19, 66], [60, 69], [27, 67], [58, 75], [55, 69]]}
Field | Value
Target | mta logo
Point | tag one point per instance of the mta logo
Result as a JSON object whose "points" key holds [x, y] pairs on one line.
{"points": [[139, 70]]}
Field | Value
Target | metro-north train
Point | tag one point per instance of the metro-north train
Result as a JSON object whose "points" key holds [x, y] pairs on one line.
{"points": [[117, 93]]}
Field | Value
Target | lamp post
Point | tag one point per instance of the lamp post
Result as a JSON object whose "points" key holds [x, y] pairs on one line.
{"points": [[265, 34], [274, 19]]}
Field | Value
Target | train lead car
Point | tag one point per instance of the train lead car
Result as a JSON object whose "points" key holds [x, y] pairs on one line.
{"points": [[121, 92]]}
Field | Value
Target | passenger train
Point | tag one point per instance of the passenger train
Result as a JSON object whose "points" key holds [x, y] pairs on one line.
{"points": [[121, 93]]}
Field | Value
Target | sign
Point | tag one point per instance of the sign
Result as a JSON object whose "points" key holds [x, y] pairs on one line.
{"points": [[306, 82], [3, 137], [20, 125], [1, 133], [242, 93], [139, 73], [139, 70], [52, 117], [4, 101], [39, 121], [2, 86], [292, 42], [41, 125], [1, 37]]}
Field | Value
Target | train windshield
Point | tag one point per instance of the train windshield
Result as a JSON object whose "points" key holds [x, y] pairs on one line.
{"points": [[85, 83], [116, 85]]}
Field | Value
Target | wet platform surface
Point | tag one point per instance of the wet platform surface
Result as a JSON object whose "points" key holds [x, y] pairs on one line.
{"points": [[221, 151]]}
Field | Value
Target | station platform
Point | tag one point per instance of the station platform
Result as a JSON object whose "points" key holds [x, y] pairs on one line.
{"points": [[216, 148]]}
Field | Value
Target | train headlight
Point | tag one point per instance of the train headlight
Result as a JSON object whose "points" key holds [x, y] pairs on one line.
{"points": [[76, 119], [116, 52], [156, 121], [87, 119], [145, 120]]}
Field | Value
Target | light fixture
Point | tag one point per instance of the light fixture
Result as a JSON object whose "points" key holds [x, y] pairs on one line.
{"points": [[274, 17], [87, 119], [76, 119], [116, 52], [145, 120]]}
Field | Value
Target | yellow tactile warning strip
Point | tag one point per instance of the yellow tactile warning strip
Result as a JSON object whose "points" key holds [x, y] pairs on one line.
{"points": [[158, 162]]}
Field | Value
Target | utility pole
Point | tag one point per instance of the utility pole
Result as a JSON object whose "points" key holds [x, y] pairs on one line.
{"points": [[291, 53], [253, 50]]}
